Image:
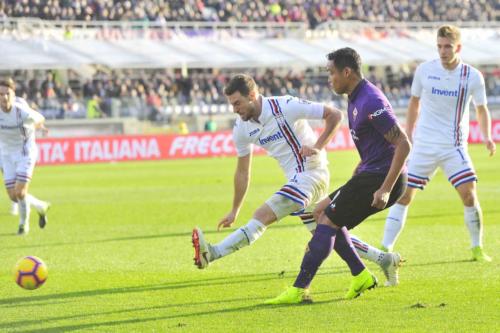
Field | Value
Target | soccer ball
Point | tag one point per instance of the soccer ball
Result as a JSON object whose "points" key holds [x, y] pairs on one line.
{"points": [[30, 272]]}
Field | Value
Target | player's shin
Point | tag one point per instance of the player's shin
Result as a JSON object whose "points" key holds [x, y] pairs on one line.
{"points": [[394, 224], [345, 249], [240, 238], [473, 217], [366, 251], [24, 211], [318, 250]]}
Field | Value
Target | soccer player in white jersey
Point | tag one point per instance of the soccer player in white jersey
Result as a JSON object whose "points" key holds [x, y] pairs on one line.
{"points": [[19, 152], [279, 125], [442, 90]]}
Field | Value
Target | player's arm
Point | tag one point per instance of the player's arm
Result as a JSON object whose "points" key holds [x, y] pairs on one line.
{"points": [[333, 119], [396, 136], [241, 182], [412, 115], [484, 120]]}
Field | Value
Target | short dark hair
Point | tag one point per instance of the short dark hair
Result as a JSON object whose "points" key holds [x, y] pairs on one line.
{"points": [[8, 82], [346, 57], [242, 83]]}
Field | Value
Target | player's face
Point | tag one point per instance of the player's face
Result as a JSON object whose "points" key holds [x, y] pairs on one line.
{"points": [[337, 79], [243, 106], [448, 51], [7, 96]]}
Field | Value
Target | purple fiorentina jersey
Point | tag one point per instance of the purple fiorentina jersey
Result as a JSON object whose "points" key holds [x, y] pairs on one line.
{"points": [[370, 117]]}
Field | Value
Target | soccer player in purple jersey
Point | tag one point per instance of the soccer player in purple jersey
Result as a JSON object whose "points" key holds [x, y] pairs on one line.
{"points": [[379, 180]]}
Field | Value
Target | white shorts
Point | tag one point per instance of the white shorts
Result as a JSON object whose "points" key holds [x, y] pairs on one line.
{"points": [[17, 168], [454, 161], [301, 192]]}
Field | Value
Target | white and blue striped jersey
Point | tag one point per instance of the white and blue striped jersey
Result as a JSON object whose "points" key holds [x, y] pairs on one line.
{"points": [[444, 102], [281, 130], [17, 129]]}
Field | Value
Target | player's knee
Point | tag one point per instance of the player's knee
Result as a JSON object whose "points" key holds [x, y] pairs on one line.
{"points": [[469, 198], [20, 193], [407, 197], [317, 213]]}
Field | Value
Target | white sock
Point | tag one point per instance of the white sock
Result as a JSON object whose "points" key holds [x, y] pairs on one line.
{"points": [[240, 238], [308, 221], [37, 203], [366, 251], [14, 208], [24, 211], [394, 223], [473, 217]]}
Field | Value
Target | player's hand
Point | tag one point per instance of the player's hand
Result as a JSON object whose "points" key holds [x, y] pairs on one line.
{"points": [[491, 146], [380, 198], [227, 221], [308, 151]]}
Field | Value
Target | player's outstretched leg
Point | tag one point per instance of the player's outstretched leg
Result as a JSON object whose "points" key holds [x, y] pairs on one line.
{"points": [[388, 262]]}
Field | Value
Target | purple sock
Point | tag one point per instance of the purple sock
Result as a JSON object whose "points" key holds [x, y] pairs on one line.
{"points": [[345, 249], [319, 248]]}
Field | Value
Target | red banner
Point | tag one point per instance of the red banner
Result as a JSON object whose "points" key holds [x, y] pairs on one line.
{"points": [[159, 147]]}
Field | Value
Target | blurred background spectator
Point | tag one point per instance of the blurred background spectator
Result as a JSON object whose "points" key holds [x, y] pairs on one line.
{"points": [[313, 12]]}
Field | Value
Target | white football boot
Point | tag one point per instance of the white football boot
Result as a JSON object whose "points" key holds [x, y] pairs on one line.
{"points": [[390, 266]]}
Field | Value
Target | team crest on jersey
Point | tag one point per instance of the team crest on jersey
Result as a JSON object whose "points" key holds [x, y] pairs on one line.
{"points": [[354, 113]]}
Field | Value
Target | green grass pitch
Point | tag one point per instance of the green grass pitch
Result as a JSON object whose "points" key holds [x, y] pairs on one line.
{"points": [[119, 255]]}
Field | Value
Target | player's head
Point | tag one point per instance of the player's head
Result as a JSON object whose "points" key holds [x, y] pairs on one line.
{"points": [[242, 93], [344, 68], [449, 44], [7, 93]]}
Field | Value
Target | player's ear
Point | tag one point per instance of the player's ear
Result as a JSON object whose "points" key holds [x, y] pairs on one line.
{"points": [[347, 71], [459, 48], [252, 94]]}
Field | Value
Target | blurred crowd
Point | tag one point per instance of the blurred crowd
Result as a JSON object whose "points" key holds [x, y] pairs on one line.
{"points": [[148, 94], [313, 12]]}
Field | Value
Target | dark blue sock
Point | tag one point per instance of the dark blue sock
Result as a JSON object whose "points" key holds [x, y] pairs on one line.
{"points": [[319, 248], [346, 250]]}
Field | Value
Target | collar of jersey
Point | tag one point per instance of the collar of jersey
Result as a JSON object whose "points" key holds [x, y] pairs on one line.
{"points": [[352, 96]]}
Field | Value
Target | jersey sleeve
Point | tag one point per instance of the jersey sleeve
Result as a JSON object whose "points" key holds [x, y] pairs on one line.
{"points": [[479, 91], [416, 85], [241, 143], [302, 109], [31, 117], [381, 115], [28, 115]]}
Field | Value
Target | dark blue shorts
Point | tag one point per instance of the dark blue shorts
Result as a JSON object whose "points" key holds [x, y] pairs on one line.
{"points": [[352, 203]]}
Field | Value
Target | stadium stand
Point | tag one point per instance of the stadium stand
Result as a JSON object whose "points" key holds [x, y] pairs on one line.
{"points": [[312, 12]]}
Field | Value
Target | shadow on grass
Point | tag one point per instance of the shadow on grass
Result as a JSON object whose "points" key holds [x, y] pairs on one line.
{"points": [[145, 237], [74, 327], [241, 279], [449, 262]]}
